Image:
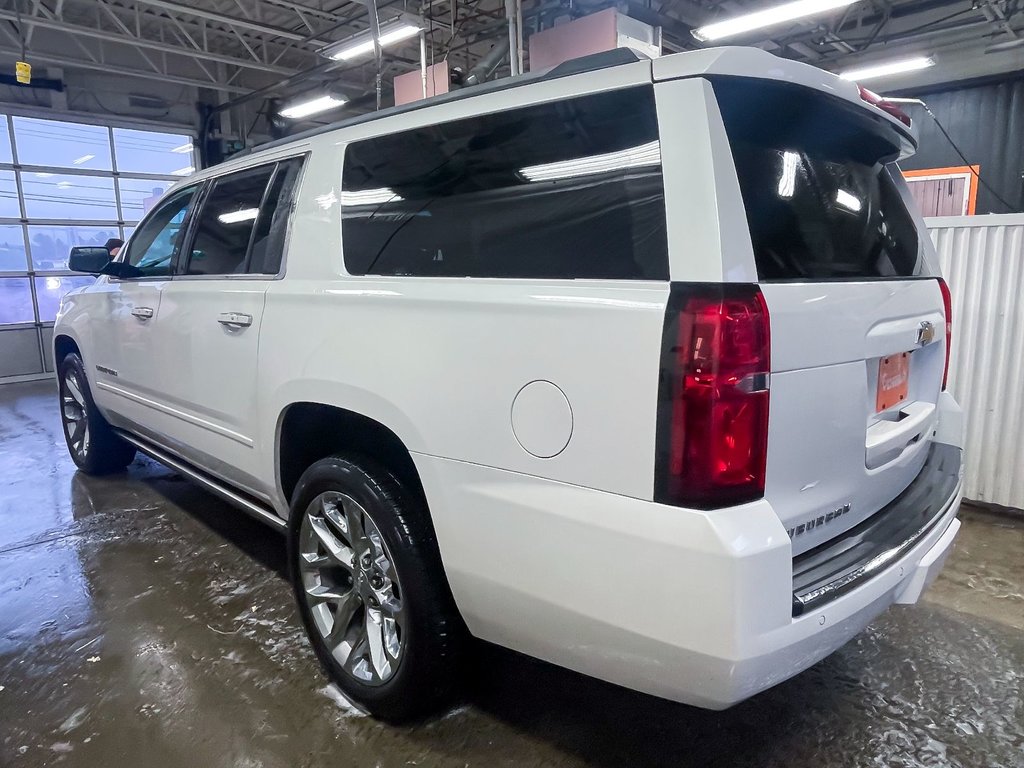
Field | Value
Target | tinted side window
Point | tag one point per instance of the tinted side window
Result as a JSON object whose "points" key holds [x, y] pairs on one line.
{"points": [[225, 223], [571, 189], [154, 243], [268, 239]]}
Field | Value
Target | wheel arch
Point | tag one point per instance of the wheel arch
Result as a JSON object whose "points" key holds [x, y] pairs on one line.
{"points": [[63, 345], [309, 430]]}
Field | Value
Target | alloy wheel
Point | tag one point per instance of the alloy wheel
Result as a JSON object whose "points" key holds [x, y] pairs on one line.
{"points": [[350, 585], [74, 414]]}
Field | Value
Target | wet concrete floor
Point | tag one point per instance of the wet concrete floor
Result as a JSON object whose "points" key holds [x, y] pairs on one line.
{"points": [[145, 623]]}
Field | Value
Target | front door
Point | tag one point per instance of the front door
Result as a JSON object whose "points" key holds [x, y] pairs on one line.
{"points": [[127, 385]]}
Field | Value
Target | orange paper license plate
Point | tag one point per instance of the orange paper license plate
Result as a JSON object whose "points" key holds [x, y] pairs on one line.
{"points": [[893, 381]]}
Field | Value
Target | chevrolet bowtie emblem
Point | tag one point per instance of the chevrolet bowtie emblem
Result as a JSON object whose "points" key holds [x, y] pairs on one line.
{"points": [[926, 333]]}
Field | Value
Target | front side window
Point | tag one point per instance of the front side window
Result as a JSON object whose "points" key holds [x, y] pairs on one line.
{"points": [[156, 241], [569, 189], [224, 225]]}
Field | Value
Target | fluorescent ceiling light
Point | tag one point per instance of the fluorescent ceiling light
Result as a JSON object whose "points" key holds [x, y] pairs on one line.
{"points": [[847, 200], [370, 197], [769, 17], [390, 32], [787, 182], [234, 217], [64, 185], [183, 149], [633, 157], [889, 68], [312, 107], [83, 159]]}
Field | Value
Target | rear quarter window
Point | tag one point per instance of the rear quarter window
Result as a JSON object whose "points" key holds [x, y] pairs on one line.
{"points": [[818, 180], [570, 189]]}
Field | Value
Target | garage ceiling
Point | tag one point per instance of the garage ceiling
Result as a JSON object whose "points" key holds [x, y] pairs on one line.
{"points": [[233, 47]]}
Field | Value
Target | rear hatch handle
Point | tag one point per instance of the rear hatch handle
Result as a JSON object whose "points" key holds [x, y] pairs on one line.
{"points": [[886, 440]]}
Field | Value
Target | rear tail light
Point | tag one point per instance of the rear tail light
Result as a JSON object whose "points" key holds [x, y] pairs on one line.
{"points": [[713, 398], [886, 106], [947, 308]]}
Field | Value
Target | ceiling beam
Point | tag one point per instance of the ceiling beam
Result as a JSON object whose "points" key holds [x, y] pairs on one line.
{"points": [[232, 21], [152, 45], [64, 61]]}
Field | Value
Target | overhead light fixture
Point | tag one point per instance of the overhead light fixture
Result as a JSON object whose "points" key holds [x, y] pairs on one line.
{"points": [[83, 159], [389, 32], [769, 17], [633, 157], [312, 107], [235, 217], [184, 149], [370, 196], [848, 200], [889, 68], [787, 181]]}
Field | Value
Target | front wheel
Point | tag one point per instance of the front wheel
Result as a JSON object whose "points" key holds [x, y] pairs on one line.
{"points": [[92, 443], [371, 589]]}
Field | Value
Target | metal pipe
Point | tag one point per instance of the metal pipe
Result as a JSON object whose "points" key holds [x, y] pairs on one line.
{"points": [[513, 36], [423, 61]]}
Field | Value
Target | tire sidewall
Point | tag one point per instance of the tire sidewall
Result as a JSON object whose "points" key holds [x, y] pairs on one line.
{"points": [[73, 362], [352, 477]]}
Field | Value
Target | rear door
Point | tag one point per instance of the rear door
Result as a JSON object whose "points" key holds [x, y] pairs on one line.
{"points": [[210, 318], [857, 320]]}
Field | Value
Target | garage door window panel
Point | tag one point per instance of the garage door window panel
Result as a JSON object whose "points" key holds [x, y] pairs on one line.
{"points": [[152, 152], [571, 189], [15, 301], [12, 248], [51, 244], [226, 221], [61, 144], [68, 196]]}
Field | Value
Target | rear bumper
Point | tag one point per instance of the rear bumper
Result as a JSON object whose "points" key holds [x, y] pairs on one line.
{"points": [[693, 606], [854, 557]]}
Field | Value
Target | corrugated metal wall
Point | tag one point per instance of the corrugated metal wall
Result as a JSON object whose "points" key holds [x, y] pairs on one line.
{"points": [[982, 258], [986, 122]]}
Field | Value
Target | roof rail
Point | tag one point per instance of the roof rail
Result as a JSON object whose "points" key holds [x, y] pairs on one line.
{"points": [[590, 63]]}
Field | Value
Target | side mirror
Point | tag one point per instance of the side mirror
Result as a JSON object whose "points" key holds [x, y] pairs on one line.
{"points": [[88, 258]]}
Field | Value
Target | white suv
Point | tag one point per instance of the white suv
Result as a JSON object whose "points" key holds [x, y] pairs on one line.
{"points": [[633, 366]]}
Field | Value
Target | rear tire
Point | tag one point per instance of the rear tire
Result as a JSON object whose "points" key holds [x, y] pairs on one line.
{"points": [[94, 446], [371, 588]]}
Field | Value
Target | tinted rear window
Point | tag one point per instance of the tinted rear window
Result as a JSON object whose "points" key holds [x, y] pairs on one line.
{"points": [[570, 189], [816, 175]]}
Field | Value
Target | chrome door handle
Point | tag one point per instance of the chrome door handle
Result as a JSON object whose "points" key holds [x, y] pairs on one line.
{"points": [[143, 313], [235, 319]]}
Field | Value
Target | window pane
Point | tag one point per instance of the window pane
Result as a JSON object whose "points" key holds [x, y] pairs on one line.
{"points": [[820, 201], [156, 241], [272, 225], [12, 249], [5, 142], [152, 152], [50, 245], [226, 222], [67, 145], [49, 291], [9, 196], [571, 189], [138, 196], [58, 196], [15, 300]]}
